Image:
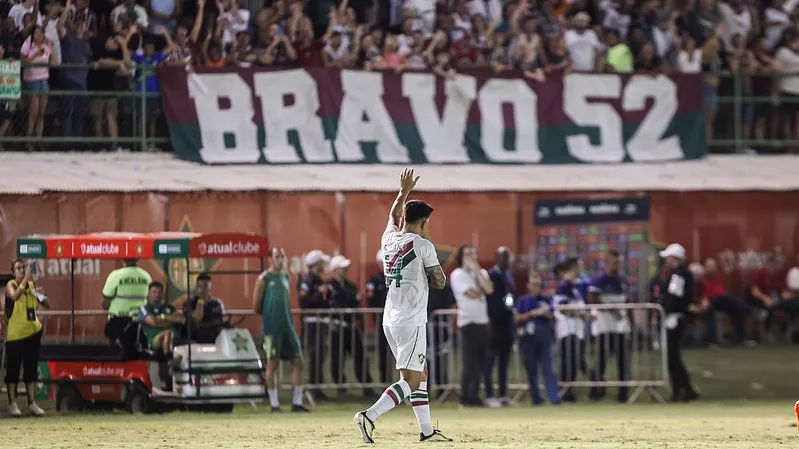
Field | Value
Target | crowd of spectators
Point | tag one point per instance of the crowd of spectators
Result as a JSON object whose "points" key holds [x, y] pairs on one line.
{"points": [[538, 37]]}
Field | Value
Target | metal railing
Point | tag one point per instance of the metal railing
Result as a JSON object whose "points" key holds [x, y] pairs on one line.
{"points": [[763, 116], [345, 349], [133, 113]]}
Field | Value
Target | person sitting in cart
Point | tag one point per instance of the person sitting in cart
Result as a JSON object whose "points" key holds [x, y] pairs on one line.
{"points": [[160, 321], [207, 312], [125, 291]]}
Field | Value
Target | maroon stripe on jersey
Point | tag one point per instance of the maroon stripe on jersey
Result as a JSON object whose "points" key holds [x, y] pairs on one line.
{"points": [[392, 395], [405, 250]]}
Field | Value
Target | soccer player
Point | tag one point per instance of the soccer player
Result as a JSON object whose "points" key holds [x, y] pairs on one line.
{"points": [[411, 267], [271, 300]]}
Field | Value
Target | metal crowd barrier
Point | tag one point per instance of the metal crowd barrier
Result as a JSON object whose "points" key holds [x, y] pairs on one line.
{"points": [[345, 349]]}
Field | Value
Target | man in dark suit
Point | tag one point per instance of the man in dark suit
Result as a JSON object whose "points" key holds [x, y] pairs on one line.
{"points": [[500, 313]]}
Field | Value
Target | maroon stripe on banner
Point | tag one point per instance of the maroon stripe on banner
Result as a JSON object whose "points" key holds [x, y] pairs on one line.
{"points": [[418, 403], [392, 395]]}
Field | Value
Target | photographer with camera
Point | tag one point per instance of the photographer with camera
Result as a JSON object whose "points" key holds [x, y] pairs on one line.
{"points": [[23, 334]]}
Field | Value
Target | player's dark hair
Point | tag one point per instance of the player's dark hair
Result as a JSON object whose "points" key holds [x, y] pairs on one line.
{"points": [[203, 277], [614, 253], [416, 211], [459, 253], [155, 284]]}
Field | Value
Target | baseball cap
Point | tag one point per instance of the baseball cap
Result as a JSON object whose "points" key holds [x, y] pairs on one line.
{"points": [[339, 262], [314, 257], [674, 250]]}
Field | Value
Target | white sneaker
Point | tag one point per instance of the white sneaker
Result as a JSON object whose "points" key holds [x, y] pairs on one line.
{"points": [[13, 410], [35, 410], [365, 426], [505, 401], [492, 402]]}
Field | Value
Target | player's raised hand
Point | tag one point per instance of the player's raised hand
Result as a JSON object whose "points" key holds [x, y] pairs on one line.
{"points": [[407, 181]]}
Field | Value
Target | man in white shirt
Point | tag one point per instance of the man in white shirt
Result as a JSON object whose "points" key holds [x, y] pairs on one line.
{"points": [[18, 11], [736, 18], [411, 267], [470, 285], [583, 44]]}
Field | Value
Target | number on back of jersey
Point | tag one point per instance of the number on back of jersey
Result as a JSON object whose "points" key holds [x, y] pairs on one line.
{"points": [[395, 261]]}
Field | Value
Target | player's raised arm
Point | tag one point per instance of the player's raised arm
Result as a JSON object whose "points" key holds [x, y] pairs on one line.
{"points": [[407, 183]]}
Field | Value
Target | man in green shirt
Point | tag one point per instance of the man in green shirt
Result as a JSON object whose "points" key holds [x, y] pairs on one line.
{"points": [[271, 301], [620, 57], [125, 291]]}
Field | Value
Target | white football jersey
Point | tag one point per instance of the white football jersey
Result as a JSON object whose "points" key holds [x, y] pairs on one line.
{"points": [[405, 257]]}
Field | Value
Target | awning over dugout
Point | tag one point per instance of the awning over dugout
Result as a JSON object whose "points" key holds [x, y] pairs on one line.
{"points": [[138, 172]]}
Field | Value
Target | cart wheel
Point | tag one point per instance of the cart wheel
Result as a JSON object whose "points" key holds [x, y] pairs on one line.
{"points": [[138, 400], [68, 400]]}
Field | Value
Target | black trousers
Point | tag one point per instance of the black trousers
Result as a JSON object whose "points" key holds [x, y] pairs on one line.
{"points": [[115, 329], [348, 342], [23, 354], [474, 350], [678, 374], [314, 336], [572, 359], [618, 344], [499, 352]]}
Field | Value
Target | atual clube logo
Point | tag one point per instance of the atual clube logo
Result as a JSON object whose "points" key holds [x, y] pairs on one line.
{"points": [[175, 270]]}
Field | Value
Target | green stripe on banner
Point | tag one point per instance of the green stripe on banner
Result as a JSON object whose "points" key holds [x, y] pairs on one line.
{"points": [[398, 389], [419, 396]]}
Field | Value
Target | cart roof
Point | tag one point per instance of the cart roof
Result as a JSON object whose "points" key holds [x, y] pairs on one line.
{"points": [[125, 245]]}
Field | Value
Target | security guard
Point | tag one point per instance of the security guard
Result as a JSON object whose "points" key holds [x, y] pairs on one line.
{"points": [[314, 294], [676, 294], [124, 292], [345, 338], [376, 292]]}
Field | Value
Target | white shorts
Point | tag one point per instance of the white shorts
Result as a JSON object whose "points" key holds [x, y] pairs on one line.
{"points": [[409, 346]]}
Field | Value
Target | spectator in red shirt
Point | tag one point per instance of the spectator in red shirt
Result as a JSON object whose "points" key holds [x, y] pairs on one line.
{"points": [[714, 298]]}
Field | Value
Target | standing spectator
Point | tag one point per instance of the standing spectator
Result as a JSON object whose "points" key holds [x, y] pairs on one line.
{"points": [[314, 293], [664, 37], [558, 56], [75, 50], [787, 57], [277, 49], [132, 13], [534, 319], [80, 13], [20, 10], [109, 73], [736, 18], [571, 324], [583, 44], [648, 62], [179, 51], [423, 13], [23, 335], [345, 336], [619, 57], [376, 292], [163, 13], [233, 19], [703, 21], [676, 293], [336, 53], [618, 18], [689, 58], [500, 314], [612, 327], [53, 11], [711, 70], [147, 59], [714, 298], [10, 46], [36, 50], [470, 285], [777, 19]]}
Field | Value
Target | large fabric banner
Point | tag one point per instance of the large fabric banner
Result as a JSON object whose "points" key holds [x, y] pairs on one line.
{"points": [[251, 116]]}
